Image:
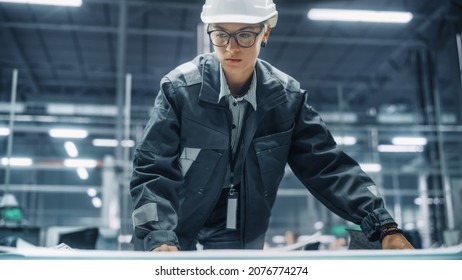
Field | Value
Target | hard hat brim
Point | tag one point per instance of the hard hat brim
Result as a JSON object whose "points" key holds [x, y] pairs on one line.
{"points": [[272, 20]]}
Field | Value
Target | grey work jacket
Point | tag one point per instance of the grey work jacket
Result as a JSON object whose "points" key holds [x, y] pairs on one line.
{"points": [[181, 162]]}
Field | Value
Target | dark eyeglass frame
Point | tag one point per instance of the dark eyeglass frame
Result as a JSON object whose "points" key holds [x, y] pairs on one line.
{"points": [[254, 34]]}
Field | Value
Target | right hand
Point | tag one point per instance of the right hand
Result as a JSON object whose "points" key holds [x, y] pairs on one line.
{"points": [[396, 241], [165, 247]]}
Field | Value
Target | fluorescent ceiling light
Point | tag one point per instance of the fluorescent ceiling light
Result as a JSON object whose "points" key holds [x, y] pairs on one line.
{"points": [[71, 149], [344, 117], [72, 3], [345, 140], [105, 143], [371, 167], [400, 148], [428, 201], [81, 109], [83, 173], [87, 163], [4, 131], [112, 143], [97, 202], [68, 133], [127, 143], [359, 15], [17, 161], [419, 141], [92, 192]]}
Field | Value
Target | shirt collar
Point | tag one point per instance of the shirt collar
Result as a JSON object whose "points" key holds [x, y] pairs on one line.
{"points": [[251, 95]]}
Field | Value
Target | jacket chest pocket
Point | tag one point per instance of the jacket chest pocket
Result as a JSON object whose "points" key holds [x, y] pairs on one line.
{"points": [[200, 171], [272, 152], [201, 149]]}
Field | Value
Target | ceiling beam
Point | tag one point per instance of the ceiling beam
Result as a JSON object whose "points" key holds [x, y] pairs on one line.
{"points": [[17, 50], [379, 42], [97, 29]]}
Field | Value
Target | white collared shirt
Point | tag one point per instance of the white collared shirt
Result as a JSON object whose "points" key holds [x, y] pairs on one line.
{"points": [[251, 95], [238, 107]]}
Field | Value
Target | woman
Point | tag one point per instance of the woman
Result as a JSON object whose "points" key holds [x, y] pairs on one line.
{"points": [[222, 129]]}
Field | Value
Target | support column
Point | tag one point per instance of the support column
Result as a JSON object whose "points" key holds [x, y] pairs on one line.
{"points": [[110, 215], [14, 84], [424, 223], [121, 51]]}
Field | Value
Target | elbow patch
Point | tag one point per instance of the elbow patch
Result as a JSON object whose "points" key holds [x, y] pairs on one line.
{"points": [[144, 214]]}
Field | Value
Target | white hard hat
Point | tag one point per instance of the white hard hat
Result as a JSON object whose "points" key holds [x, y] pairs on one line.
{"points": [[239, 11]]}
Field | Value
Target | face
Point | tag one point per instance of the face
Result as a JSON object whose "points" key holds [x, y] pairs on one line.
{"points": [[234, 59]]}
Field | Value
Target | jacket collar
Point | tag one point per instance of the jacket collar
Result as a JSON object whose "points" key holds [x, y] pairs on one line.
{"points": [[270, 90], [250, 96]]}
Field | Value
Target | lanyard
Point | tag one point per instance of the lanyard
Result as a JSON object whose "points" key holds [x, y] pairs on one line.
{"points": [[233, 195]]}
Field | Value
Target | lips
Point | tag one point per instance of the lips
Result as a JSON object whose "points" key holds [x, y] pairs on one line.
{"points": [[233, 60]]}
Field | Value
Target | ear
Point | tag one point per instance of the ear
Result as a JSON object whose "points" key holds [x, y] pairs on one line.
{"points": [[264, 40], [267, 33]]}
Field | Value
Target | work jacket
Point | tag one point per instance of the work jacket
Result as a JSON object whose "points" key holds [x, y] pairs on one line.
{"points": [[181, 161]]}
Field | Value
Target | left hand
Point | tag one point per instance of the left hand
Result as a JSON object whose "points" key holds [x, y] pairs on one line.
{"points": [[396, 241]]}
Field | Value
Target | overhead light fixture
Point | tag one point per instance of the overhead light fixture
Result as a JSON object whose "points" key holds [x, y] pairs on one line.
{"points": [[68, 133], [112, 143], [86, 163], [97, 202], [105, 143], [71, 149], [371, 167], [418, 141], [83, 173], [71, 3], [359, 15], [127, 143], [345, 140], [428, 201], [17, 161], [92, 192], [4, 131], [400, 148]]}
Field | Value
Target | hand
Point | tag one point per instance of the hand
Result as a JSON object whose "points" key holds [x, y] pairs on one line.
{"points": [[165, 247], [396, 241]]}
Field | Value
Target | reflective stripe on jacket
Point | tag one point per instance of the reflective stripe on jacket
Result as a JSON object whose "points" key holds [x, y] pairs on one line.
{"points": [[181, 161]]}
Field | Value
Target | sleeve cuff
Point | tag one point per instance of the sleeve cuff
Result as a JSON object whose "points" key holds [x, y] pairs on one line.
{"points": [[374, 221], [159, 237]]}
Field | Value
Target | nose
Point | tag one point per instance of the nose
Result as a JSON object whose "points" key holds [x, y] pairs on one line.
{"points": [[232, 44]]}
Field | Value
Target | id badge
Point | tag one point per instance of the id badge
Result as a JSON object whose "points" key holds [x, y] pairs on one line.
{"points": [[231, 216]]}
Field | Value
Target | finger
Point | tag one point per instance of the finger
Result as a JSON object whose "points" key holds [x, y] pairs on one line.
{"points": [[161, 248]]}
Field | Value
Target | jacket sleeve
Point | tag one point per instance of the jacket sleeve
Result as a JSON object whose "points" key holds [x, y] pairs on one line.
{"points": [[156, 178], [333, 177]]}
